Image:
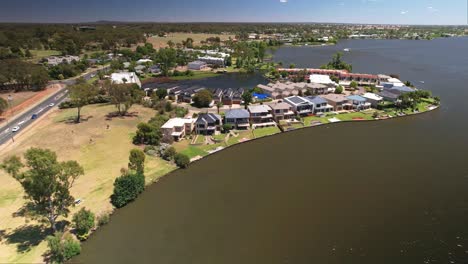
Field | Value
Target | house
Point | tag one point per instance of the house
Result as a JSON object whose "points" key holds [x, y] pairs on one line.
{"points": [[155, 69], [217, 96], [125, 77], [300, 105], [358, 102], [373, 98], [320, 105], [261, 116], [338, 102], [237, 118], [237, 96], [227, 96], [208, 124], [140, 69], [177, 128], [282, 111], [212, 60], [322, 79], [143, 61], [389, 96], [197, 65], [56, 60]]}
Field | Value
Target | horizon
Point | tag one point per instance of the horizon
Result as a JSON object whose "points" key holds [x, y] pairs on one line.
{"points": [[368, 12]]}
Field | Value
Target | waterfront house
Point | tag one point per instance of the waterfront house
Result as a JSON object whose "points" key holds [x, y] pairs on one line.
{"points": [[282, 111], [338, 102], [373, 98], [320, 105], [389, 96], [227, 96], [197, 65], [208, 124], [237, 118], [217, 95], [261, 116], [177, 128], [300, 105], [237, 96], [358, 102]]}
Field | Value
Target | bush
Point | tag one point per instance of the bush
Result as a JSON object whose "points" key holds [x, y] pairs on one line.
{"points": [[169, 154], [137, 161], [83, 221], [62, 248], [127, 188], [202, 99], [339, 89], [103, 219], [100, 99], [227, 128], [182, 160]]}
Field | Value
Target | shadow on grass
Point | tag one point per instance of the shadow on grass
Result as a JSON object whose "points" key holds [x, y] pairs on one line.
{"points": [[72, 120], [113, 115], [27, 236]]}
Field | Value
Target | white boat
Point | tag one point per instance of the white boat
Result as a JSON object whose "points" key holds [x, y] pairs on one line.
{"points": [[347, 50]]}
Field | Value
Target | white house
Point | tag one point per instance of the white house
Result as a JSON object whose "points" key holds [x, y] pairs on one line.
{"points": [[125, 77], [177, 128], [322, 79], [373, 98], [143, 61]]}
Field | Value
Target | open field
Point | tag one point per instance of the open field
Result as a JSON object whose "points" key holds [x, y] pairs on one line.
{"points": [[40, 54], [101, 151], [161, 42], [18, 98]]}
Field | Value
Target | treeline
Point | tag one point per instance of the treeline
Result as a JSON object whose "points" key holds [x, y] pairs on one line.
{"points": [[20, 75]]}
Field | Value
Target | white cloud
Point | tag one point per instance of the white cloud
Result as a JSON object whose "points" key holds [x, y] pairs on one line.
{"points": [[283, 1], [404, 12]]}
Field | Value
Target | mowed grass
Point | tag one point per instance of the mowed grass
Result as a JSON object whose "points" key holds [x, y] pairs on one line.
{"points": [[102, 152], [266, 131], [196, 76], [161, 42]]}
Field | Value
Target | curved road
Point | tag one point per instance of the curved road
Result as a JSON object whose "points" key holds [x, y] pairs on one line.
{"points": [[26, 118]]}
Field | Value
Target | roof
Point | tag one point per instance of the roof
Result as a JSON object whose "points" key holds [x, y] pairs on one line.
{"points": [[357, 98], [177, 122], [196, 63], [322, 79], [403, 89], [296, 100], [208, 118], [372, 96], [280, 106], [130, 77], [388, 94], [335, 98], [237, 113], [255, 109], [316, 100]]}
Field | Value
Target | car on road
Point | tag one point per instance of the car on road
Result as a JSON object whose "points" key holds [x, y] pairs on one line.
{"points": [[15, 129], [51, 104], [34, 116]]}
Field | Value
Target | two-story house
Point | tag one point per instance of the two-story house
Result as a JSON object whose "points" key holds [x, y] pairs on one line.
{"points": [[300, 105], [261, 116], [177, 128], [358, 102], [320, 105], [282, 111], [237, 118], [208, 124]]}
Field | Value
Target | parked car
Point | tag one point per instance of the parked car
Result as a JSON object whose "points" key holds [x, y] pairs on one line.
{"points": [[15, 129]]}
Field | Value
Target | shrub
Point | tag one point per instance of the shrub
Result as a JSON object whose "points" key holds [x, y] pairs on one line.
{"points": [[127, 188], [83, 221], [182, 160], [169, 153], [137, 161], [62, 247], [103, 219], [339, 89]]}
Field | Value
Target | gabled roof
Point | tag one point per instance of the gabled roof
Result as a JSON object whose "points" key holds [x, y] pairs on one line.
{"points": [[372, 96], [296, 100], [237, 113], [208, 118], [335, 98], [280, 106], [388, 94]]}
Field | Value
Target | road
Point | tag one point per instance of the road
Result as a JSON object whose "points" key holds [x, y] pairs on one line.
{"points": [[25, 119]]}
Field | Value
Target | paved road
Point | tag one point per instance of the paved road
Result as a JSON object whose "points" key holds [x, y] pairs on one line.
{"points": [[25, 119]]}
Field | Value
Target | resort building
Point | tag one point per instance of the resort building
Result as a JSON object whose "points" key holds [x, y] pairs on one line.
{"points": [[197, 65], [237, 118], [373, 98], [261, 116], [300, 105], [282, 111], [320, 105], [125, 77], [338, 102], [208, 124], [177, 128], [358, 102]]}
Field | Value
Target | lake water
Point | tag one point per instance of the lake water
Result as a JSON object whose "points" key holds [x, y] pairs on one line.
{"points": [[393, 191]]}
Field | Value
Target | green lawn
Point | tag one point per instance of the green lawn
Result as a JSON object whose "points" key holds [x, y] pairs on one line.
{"points": [[219, 137], [39, 54], [267, 131], [200, 139], [193, 151]]}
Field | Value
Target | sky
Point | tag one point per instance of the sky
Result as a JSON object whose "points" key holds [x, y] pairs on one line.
{"points": [[428, 12]]}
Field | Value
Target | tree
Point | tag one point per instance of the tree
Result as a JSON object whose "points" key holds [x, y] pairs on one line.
{"points": [[137, 161], [169, 153], [167, 58], [83, 221], [337, 64], [80, 95], [354, 85], [202, 98], [127, 188], [247, 98], [219, 105], [46, 183], [182, 160], [62, 247], [123, 96], [3, 105], [147, 134], [161, 93], [339, 89]]}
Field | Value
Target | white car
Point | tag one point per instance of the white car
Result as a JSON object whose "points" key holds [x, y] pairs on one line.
{"points": [[15, 129], [52, 105]]}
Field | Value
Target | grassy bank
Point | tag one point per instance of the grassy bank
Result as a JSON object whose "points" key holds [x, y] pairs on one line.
{"points": [[101, 151]]}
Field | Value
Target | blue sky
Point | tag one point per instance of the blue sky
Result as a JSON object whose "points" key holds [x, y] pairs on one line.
{"points": [[341, 11]]}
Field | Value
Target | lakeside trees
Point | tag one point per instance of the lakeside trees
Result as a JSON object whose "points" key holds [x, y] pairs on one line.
{"points": [[338, 64], [83, 222], [62, 247], [46, 183]]}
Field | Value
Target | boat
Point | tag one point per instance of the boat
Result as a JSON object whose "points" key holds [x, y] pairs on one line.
{"points": [[347, 50]]}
